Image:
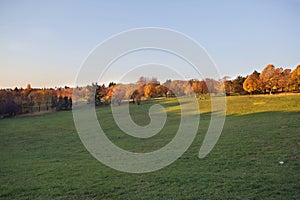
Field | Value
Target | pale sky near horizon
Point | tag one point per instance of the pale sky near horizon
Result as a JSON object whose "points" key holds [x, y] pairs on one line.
{"points": [[45, 42]]}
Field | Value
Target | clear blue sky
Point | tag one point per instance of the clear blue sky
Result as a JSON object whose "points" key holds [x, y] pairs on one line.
{"points": [[45, 42]]}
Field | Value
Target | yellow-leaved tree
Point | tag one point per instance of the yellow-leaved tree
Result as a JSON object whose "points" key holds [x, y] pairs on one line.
{"points": [[294, 80], [253, 83]]}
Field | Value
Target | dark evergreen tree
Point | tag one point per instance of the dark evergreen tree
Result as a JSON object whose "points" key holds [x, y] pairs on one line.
{"points": [[53, 102]]}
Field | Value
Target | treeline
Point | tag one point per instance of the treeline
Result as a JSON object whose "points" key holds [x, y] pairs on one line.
{"points": [[145, 88], [28, 100], [270, 80]]}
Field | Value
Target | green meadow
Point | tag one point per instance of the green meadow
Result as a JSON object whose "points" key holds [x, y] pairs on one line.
{"points": [[42, 156]]}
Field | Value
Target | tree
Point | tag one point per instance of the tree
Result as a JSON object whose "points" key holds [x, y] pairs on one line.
{"points": [[199, 87], [154, 81], [278, 74], [238, 85], [187, 89], [70, 103], [268, 78], [101, 92], [38, 96], [142, 81], [118, 94], [150, 90], [28, 87], [47, 97], [141, 90], [228, 87], [161, 90], [129, 90], [177, 87], [111, 84], [294, 80], [274, 79], [53, 102], [11, 108], [60, 103], [195, 84], [135, 96], [203, 87], [66, 103], [283, 80], [252, 83]]}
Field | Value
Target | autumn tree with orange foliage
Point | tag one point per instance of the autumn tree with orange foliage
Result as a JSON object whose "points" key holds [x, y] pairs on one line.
{"points": [[253, 83], [294, 80]]}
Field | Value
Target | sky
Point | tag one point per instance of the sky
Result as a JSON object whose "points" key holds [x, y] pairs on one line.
{"points": [[45, 43]]}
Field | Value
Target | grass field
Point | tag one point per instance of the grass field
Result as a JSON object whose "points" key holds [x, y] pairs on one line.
{"points": [[42, 156]]}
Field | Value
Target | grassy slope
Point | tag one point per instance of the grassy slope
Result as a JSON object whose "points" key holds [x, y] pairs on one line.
{"points": [[42, 156]]}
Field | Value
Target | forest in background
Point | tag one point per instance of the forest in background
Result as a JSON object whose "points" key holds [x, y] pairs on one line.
{"points": [[270, 81]]}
